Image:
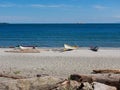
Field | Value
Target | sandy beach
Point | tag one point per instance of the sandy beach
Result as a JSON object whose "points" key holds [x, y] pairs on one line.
{"points": [[55, 63]]}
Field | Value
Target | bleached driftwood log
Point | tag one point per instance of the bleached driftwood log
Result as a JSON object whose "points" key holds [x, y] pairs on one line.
{"points": [[100, 86], [108, 79], [12, 76], [107, 71], [35, 83]]}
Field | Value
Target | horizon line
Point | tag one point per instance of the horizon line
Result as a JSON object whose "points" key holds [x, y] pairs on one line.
{"points": [[58, 23]]}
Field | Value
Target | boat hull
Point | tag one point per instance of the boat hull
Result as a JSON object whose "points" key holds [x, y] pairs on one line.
{"points": [[70, 47]]}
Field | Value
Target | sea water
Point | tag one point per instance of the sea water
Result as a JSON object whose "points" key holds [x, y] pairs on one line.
{"points": [[56, 35]]}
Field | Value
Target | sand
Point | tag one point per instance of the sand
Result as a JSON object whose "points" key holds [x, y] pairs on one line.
{"points": [[55, 63]]}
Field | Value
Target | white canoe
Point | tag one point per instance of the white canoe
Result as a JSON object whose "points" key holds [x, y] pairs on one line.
{"points": [[21, 47], [70, 47]]}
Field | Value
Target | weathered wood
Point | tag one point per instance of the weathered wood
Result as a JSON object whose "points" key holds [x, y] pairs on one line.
{"points": [[13, 77], [35, 83], [107, 71], [100, 86], [108, 79]]}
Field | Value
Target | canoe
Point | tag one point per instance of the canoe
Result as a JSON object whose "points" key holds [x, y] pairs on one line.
{"points": [[66, 46], [21, 47]]}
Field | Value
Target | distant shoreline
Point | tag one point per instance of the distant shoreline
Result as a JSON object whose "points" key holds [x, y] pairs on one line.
{"points": [[62, 23], [4, 23]]}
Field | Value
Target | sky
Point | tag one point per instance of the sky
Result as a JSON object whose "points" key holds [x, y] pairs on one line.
{"points": [[60, 11]]}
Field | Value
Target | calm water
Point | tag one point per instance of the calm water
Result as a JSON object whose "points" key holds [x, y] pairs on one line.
{"points": [[55, 35]]}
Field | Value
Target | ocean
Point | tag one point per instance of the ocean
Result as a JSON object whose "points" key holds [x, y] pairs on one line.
{"points": [[55, 35]]}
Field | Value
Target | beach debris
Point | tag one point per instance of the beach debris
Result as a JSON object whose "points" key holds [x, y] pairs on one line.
{"points": [[41, 75], [43, 83], [74, 85], [12, 76], [111, 80], [86, 86], [24, 51], [69, 48], [95, 48], [11, 47], [107, 71], [100, 86], [26, 47], [102, 81], [17, 72], [58, 50], [74, 82], [81, 78]]}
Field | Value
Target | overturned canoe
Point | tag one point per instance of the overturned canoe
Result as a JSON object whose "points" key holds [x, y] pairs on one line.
{"points": [[66, 46], [21, 47]]}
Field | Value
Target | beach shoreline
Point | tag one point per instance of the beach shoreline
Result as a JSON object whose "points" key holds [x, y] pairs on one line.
{"points": [[51, 61]]}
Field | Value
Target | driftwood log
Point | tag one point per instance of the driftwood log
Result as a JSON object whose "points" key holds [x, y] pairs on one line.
{"points": [[107, 71], [108, 79], [12, 76]]}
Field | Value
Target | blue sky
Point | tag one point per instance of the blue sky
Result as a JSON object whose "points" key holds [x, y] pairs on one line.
{"points": [[60, 11]]}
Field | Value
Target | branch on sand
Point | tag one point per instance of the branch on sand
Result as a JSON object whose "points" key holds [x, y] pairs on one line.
{"points": [[12, 76], [107, 71]]}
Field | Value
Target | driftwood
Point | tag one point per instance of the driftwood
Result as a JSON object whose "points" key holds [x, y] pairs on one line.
{"points": [[107, 71], [35, 83], [100, 86], [108, 79], [24, 51], [11, 76]]}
